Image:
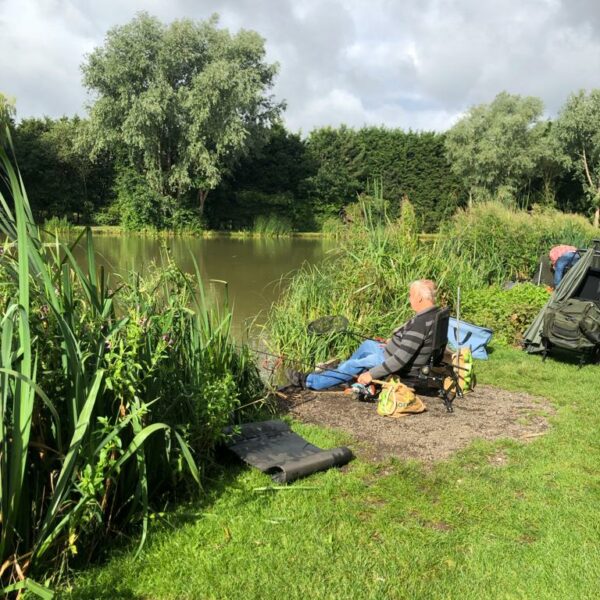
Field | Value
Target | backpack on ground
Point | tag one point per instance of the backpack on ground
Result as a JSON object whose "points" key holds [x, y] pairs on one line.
{"points": [[398, 400], [573, 325], [462, 334], [463, 366]]}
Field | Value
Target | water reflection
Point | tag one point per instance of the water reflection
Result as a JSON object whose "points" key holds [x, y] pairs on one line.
{"points": [[253, 268]]}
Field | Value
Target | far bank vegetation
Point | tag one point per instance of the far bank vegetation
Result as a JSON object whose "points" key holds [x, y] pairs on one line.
{"points": [[184, 135]]}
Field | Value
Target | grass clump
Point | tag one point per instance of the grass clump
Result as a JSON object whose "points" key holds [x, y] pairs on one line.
{"points": [[506, 243], [272, 226], [58, 225]]}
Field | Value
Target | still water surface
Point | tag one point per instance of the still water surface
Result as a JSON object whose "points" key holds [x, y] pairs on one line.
{"points": [[253, 268]]}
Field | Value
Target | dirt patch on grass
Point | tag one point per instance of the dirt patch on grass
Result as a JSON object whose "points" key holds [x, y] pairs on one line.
{"points": [[487, 413]]}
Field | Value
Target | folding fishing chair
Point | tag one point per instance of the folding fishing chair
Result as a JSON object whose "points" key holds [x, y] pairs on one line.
{"points": [[437, 374]]}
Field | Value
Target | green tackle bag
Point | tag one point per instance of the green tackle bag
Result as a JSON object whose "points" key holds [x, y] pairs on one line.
{"points": [[574, 325]]}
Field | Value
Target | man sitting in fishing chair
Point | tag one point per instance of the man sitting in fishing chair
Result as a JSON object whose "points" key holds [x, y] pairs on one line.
{"points": [[406, 353]]}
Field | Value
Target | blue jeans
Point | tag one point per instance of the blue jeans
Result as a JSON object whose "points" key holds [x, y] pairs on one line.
{"points": [[368, 355], [568, 259]]}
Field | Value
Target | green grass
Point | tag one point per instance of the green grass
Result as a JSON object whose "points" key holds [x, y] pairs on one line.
{"points": [[272, 226], [467, 528]]}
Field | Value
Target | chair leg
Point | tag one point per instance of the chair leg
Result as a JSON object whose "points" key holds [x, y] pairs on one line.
{"points": [[454, 376], [447, 400], [447, 394], [545, 350]]}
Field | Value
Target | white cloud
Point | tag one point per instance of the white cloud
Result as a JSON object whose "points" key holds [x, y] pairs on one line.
{"points": [[416, 63], [337, 107]]}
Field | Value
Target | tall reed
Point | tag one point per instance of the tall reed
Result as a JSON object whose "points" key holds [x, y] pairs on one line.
{"points": [[272, 226], [88, 377], [367, 279]]}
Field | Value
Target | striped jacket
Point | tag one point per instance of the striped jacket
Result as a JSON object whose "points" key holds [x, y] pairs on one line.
{"points": [[410, 346]]}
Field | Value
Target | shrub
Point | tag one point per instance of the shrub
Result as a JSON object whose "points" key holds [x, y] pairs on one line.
{"points": [[139, 206], [507, 312], [110, 215], [186, 220]]}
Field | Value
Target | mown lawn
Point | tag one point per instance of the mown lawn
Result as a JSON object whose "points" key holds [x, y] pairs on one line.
{"points": [[524, 527]]}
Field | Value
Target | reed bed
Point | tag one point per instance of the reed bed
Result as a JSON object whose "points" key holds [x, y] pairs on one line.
{"points": [[111, 399], [272, 226], [367, 279]]}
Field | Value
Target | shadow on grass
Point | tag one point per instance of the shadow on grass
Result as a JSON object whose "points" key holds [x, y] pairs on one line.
{"points": [[86, 586], [569, 357]]}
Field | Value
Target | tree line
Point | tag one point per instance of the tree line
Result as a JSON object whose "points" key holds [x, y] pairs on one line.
{"points": [[184, 133]]}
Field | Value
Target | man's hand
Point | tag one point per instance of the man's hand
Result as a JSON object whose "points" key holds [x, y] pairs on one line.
{"points": [[365, 378], [381, 341]]}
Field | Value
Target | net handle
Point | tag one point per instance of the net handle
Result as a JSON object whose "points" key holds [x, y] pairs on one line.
{"points": [[328, 324], [338, 324]]}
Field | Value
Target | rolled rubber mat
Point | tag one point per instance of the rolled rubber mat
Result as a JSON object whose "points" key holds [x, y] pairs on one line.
{"points": [[275, 449]]}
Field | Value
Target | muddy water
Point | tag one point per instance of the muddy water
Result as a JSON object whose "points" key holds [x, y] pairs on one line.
{"points": [[255, 269]]}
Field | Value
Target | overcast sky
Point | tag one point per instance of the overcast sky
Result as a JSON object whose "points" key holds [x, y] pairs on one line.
{"points": [[406, 63]]}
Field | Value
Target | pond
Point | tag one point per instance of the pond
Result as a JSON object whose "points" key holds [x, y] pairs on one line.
{"points": [[256, 270]]}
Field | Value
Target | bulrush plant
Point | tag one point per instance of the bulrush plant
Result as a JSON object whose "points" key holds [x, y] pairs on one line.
{"points": [[108, 398]]}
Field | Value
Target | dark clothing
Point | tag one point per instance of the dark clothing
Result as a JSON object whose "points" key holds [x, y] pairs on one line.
{"points": [[410, 346]]}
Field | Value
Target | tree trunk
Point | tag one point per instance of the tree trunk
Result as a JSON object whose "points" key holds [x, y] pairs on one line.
{"points": [[590, 181], [202, 199]]}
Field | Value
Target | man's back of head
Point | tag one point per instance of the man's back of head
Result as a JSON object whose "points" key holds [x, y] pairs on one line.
{"points": [[422, 294]]}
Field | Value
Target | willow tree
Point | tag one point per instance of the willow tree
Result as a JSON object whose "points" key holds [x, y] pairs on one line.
{"points": [[497, 147], [184, 100], [578, 128]]}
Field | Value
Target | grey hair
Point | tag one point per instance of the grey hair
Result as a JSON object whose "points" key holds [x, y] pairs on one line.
{"points": [[426, 288]]}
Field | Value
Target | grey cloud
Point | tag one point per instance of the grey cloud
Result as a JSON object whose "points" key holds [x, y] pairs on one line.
{"points": [[581, 13], [416, 63]]}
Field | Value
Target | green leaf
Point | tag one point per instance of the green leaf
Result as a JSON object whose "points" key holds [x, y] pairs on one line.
{"points": [[189, 459], [31, 586]]}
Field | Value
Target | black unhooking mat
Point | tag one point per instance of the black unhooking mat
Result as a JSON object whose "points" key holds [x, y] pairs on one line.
{"points": [[275, 449]]}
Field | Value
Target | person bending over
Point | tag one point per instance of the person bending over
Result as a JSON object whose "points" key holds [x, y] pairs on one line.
{"points": [[562, 257], [408, 348]]}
